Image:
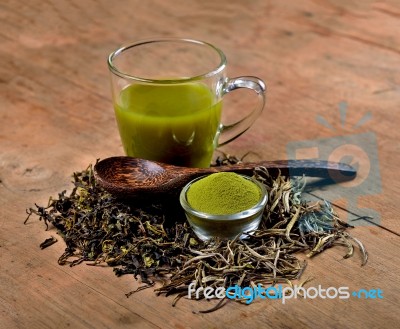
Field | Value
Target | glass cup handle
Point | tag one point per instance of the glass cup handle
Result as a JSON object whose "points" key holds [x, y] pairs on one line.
{"points": [[230, 132]]}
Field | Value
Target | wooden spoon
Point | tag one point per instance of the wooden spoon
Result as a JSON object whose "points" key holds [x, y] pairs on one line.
{"points": [[133, 177]]}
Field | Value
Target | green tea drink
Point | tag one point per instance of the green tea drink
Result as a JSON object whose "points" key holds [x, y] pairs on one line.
{"points": [[175, 124]]}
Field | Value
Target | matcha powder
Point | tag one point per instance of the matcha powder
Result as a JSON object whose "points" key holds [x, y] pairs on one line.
{"points": [[223, 194]]}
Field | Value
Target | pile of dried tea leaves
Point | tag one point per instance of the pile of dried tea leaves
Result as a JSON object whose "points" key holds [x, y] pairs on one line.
{"points": [[154, 242]]}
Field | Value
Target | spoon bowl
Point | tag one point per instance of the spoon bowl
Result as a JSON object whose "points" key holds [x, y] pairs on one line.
{"points": [[134, 177]]}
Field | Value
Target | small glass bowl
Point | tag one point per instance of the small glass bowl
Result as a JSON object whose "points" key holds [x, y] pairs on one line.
{"points": [[207, 226]]}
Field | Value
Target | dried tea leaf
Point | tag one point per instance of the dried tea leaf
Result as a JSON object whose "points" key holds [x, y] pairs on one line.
{"points": [[154, 242]]}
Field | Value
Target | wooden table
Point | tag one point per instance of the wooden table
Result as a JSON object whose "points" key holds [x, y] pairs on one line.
{"points": [[327, 64]]}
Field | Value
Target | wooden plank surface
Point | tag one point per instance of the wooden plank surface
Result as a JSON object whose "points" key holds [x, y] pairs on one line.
{"points": [[317, 58]]}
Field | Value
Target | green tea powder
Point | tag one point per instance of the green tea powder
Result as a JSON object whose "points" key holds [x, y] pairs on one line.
{"points": [[223, 194]]}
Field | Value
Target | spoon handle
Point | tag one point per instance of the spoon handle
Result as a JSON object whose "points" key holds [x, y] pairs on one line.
{"points": [[311, 168], [330, 171]]}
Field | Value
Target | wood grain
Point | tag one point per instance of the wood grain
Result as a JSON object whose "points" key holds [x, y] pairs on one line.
{"points": [[56, 117]]}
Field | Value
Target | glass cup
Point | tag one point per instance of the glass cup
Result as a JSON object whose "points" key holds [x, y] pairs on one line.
{"points": [[167, 96], [207, 226]]}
